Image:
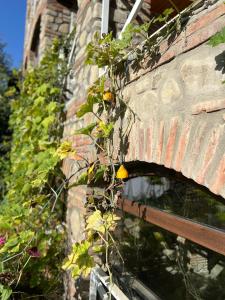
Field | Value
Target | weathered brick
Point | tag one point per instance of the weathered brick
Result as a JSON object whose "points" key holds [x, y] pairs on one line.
{"points": [[196, 141], [208, 106], [171, 142], [182, 146], [209, 153], [141, 143], [160, 143], [219, 179], [148, 143]]}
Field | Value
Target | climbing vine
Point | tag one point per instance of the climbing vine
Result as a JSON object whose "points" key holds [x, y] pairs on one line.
{"points": [[31, 213], [106, 108], [106, 105]]}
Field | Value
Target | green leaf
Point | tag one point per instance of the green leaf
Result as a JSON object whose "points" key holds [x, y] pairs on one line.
{"points": [[87, 107], [48, 121], [65, 149], [104, 130], [99, 174], [79, 261], [87, 130]]}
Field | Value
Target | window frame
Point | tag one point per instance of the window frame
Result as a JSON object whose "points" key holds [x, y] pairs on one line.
{"points": [[198, 233]]}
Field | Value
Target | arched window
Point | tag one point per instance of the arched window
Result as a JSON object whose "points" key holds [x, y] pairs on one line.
{"points": [[171, 236], [35, 43]]}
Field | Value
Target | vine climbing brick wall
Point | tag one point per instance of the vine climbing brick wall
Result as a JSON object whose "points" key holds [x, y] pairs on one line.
{"points": [[178, 101]]}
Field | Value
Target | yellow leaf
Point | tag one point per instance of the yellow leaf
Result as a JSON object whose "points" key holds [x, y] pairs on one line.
{"points": [[122, 173], [91, 169], [65, 149], [96, 222]]}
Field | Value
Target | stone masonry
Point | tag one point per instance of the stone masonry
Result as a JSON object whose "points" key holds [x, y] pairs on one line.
{"points": [[179, 100]]}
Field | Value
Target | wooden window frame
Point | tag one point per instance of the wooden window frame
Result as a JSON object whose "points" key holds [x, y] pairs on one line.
{"points": [[203, 235]]}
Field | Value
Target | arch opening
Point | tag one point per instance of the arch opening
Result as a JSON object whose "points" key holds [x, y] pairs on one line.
{"points": [[169, 235], [35, 43]]}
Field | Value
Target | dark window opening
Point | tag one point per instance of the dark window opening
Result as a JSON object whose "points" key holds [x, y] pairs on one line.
{"points": [[35, 44], [70, 4]]}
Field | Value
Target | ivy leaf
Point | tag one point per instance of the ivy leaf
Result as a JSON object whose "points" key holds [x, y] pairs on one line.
{"points": [[79, 261], [65, 149], [86, 130], [104, 130], [48, 121], [84, 109], [96, 222], [52, 106]]}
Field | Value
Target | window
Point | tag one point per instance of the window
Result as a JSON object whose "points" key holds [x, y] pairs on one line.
{"points": [[172, 235], [36, 43]]}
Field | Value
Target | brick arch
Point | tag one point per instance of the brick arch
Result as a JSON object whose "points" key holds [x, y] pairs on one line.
{"points": [[193, 149]]}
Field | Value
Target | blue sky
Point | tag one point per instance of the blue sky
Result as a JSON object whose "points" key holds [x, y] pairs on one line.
{"points": [[12, 26]]}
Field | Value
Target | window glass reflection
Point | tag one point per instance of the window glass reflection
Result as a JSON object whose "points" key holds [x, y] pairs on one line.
{"points": [[167, 265], [178, 197]]}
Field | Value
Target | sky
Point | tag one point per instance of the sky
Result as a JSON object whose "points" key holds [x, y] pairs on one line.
{"points": [[12, 27]]}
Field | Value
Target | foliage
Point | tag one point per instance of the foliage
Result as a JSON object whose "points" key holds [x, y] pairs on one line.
{"points": [[218, 38], [80, 261], [105, 103], [31, 213]]}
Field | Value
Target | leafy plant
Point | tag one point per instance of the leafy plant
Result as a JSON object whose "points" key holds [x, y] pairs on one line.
{"points": [[31, 213]]}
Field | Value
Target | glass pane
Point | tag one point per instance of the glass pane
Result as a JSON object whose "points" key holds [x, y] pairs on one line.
{"points": [[178, 197], [170, 266]]}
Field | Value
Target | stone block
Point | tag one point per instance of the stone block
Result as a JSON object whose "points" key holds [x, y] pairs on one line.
{"points": [[64, 28], [82, 38], [170, 91]]}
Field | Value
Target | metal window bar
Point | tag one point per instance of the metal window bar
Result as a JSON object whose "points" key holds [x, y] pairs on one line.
{"points": [[99, 282], [132, 15], [100, 287], [105, 17]]}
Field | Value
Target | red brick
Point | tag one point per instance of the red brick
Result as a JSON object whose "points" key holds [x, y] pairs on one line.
{"points": [[141, 144], [160, 142], [182, 146], [194, 153], [148, 143], [206, 19], [219, 181], [171, 142], [208, 106], [209, 154]]}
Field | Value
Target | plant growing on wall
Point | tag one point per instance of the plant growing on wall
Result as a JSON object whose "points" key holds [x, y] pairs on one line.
{"points": [[31, 213], [105, 106]]}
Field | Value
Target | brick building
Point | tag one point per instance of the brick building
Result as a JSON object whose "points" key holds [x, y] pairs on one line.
{"points": [[179, 100]]}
